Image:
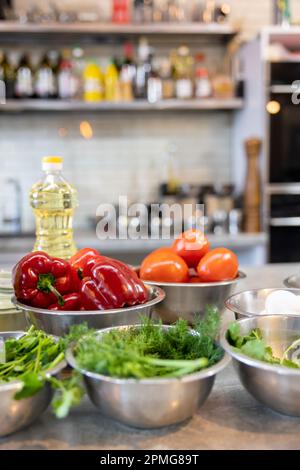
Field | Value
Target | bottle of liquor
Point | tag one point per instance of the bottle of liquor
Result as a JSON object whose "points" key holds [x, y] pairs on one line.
{"points": [[8, 75], [143, 69], [184, 68], [44, 85], [127, 73], [154, 86], [24, 79], [65, 80]]}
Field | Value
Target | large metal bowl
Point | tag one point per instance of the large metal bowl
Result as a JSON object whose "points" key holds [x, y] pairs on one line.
{"points": [[17, 414], [188, 301], [149, 403], [13, 320], [251, 303], [58, 323], [293, 281], [275, 386]]}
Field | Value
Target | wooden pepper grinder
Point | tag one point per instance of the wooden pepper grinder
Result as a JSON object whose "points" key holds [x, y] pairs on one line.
{"points": [[252, 195]]}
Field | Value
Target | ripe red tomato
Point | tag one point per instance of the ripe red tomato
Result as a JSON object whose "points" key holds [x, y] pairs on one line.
{"points": [[191, 245], [219, 264], [163, 265], [195, 280]]}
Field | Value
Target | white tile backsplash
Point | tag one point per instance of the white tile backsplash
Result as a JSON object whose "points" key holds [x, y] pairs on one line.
{"points": [[127, 154]]}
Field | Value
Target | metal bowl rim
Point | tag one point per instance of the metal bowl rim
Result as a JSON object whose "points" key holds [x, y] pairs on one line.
{"points": [[17, 384], [203, 374], [233, 308], [157, 291], [281, 370], [241, 275], [287, 280]]}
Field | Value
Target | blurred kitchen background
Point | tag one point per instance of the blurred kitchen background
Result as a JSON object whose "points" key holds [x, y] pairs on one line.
{"points": [[159, 100]]}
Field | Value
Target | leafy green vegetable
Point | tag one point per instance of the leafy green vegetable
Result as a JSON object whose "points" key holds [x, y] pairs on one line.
{"points": [[152, 350], [253, 345], [28, 359], [69, 393]]}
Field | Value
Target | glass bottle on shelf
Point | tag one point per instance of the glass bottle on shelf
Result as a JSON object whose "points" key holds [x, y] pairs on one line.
{"points": [[24, 78], [121, 11], [127, 73], [154, 88], [168, 84], [183, 69], [65, 80], [143, 69], [44, 85], [203, 85], [8, 75]]}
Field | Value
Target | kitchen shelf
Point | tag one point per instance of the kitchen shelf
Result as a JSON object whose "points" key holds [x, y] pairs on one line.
{"points": [[35, 105], [14, 30]]}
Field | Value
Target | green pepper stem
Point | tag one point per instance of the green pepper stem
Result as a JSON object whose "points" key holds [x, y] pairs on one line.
{"points": [[46, 284]]}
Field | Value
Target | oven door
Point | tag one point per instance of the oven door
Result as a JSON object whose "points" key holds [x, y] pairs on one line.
{"points": [[284, 227], [285, 240], [284, 164]]}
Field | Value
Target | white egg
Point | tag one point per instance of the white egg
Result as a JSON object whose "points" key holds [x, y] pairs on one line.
{"points": [[282, 302]]}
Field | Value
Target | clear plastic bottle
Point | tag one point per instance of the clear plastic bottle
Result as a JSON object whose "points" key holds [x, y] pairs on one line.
{"points": [[53, 201]]}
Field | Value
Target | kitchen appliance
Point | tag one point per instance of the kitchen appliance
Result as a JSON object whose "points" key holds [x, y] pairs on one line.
{"points": [[284, 116], [284, 164], [284, 227]]}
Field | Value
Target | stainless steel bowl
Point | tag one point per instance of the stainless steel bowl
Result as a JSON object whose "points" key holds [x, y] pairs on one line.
{"points": [[277, 387], [17, 414], [149, 403], [251, 303], [293, 281], [59, 323], [12, 320], [188, 301]]}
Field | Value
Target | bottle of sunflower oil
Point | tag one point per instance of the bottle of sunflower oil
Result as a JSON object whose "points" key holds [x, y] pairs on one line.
{"points": [[53, 201]]}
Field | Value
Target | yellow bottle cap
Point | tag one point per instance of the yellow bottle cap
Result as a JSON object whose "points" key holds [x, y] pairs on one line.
{"points": [[52, 163], [53, 160]]}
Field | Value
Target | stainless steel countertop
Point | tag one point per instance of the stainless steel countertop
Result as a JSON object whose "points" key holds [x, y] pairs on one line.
{"points": [[230, 418]]}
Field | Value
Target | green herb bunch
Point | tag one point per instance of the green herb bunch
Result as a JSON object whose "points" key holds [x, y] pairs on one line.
{"points": [[28, 359], [151, 350]]}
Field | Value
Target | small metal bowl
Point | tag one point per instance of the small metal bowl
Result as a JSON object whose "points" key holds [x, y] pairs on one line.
{"points": [[58, 323], [188, 300], [251, 303], [275, 386], [292, 282], [149, 403], [17, 414]]}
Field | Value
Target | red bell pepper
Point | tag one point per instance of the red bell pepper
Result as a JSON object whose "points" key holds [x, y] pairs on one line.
{"points": [[71, 302], [112, 284], [84, 260], [40, 280]]}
